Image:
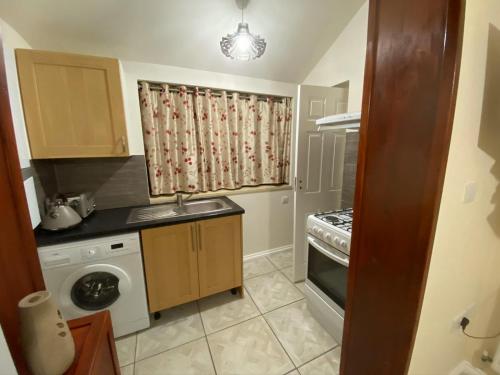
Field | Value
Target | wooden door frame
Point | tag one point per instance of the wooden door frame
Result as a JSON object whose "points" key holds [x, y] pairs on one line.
{"points": [[411, 76], [20, 272]]}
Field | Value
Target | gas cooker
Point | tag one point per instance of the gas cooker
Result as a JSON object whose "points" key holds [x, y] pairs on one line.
{"points": [[332, 227]]}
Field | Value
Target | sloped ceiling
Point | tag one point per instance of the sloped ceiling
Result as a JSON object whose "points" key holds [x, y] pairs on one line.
{"points": [[185, 32]]}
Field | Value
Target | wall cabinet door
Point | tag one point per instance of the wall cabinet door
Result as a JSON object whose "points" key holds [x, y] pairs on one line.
{"points": [[73, 105], [171, 265], [219, 254]]}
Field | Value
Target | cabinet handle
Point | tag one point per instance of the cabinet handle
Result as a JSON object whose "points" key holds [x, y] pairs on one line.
{"points": [[124, 144], [198, 230], [193, 237]]}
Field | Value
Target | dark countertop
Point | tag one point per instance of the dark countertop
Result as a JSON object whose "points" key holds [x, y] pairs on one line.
{"points": [[114, 221]]}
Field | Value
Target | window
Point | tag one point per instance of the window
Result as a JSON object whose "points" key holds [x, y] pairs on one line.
{"points": [[198, 140]]}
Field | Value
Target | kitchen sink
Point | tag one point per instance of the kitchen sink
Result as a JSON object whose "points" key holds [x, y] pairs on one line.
{"points": [[199, 207], [163, 211]]}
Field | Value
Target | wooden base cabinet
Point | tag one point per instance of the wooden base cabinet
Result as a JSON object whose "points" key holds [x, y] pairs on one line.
{"points": [[94, 346], [185, 262], [219, 254], [171, 265]]}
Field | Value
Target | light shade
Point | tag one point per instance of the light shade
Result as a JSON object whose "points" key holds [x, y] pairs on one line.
{"points": [[242, 45]]}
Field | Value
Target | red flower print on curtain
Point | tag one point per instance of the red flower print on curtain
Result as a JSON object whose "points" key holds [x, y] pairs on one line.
{"points": [[197, 141]]}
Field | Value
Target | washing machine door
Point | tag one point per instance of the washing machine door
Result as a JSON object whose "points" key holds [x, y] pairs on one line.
{"points": [[92, 288]]}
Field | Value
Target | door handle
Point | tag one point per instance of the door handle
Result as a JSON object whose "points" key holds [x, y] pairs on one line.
{"points": [[198, 230], [193, 237]]}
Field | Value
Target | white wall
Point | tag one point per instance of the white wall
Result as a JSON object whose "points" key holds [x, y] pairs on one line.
{"points": [[6, 364], [267, 223], [465, 263], [11, 40], [345, 60]]}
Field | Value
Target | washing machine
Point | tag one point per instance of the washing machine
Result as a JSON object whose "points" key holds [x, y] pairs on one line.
{"points": [[93, 275]]}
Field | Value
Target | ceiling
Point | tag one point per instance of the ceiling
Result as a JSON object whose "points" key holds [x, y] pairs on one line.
{"points": [[185, 32]]}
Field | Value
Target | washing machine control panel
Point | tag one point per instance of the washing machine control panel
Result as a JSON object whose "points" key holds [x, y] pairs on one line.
{"points": [[93, 252], [88, 251]]}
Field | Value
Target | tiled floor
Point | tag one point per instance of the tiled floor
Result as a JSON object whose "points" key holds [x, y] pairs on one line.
{"points": [[269, 331]]}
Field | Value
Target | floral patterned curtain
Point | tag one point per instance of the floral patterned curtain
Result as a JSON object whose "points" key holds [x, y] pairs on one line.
{"points": [[197, 142]]}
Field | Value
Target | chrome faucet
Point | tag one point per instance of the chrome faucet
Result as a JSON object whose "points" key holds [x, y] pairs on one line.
{"points": [[180, 201]]}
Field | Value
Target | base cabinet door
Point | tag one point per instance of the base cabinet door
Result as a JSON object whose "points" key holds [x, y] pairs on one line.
{"points": [[171, 265], [219, 254]]}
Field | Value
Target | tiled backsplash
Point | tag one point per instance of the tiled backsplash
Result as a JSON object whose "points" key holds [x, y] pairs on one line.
{"points": [[349, 175], [115, 182]]}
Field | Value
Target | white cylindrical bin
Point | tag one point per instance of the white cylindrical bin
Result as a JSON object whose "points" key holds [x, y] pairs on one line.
{"points": [[495, 364], [48, 346]]}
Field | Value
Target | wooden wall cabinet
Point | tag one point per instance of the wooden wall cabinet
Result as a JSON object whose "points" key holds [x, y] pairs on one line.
{"points": [[185, 262], [73, 105]]}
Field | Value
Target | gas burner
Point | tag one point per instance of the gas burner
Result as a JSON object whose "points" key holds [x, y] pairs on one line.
{"points": [[341, 219]]}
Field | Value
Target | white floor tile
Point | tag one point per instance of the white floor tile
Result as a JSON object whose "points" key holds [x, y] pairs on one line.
{"points": [[125, 349], [282, 259], [224, 310], [177, 326], [127, 370], [301, 286], [328, 363], [271, 291], [300, 334], [248, 348], [189, 359], [257, 266], [288, 272]]}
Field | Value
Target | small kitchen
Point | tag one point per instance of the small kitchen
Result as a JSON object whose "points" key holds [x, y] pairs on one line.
{"points": [[189, 187], [210, 212]]}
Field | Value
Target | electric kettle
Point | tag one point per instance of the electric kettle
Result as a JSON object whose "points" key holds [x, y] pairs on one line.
{"points": [[59, 215]]}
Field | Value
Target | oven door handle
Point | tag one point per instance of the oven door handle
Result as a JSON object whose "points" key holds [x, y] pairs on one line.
{"points": [[329, 253]]}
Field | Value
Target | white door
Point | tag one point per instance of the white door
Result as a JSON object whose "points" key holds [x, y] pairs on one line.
{"points": [[319, 163]]}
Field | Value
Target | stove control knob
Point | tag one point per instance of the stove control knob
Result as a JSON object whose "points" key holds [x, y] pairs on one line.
{"points": [[336, 241], [320, 232], [328, 237], [315, 229], [343, 244]]}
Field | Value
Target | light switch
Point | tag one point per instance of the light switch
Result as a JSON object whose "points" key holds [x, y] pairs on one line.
{"points": [[470, 191], [284, 199]]}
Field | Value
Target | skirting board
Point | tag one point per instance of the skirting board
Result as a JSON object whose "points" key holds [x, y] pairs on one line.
{"points": [[267, 252]]}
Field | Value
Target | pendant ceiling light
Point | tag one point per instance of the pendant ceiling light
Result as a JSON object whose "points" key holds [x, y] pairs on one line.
{"points": [[242, 45]]}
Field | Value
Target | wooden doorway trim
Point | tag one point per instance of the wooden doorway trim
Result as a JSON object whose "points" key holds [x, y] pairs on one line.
{"points": [[411, 77], [20, 272]]}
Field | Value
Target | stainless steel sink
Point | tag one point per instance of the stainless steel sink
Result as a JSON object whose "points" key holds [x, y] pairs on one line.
{"points": [[199, 207], [163, 211]]}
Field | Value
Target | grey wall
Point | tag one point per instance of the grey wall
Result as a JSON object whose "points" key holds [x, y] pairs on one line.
{"points": [[349, 175], [115, 182]]}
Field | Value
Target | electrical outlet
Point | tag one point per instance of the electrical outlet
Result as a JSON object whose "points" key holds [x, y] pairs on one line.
{"points": [[455, 324]]}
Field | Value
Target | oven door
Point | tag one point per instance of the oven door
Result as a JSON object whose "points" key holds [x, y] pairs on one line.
{"points": [[327, 273]]}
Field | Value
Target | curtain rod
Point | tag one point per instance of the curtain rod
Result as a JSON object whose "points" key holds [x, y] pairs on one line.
{"points": [[156, 86]]}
